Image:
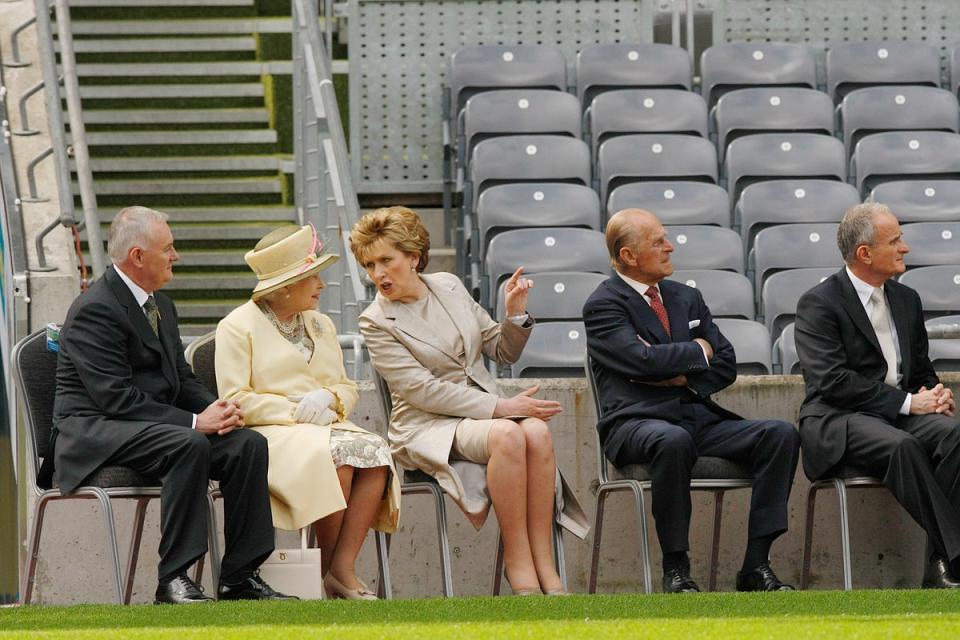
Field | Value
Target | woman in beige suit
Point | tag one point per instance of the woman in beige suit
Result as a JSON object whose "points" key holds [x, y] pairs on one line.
{"points": [[427, 338], [279, 358]]}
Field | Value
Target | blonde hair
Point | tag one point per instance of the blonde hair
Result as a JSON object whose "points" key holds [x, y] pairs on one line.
{"points": [[399, 226]]}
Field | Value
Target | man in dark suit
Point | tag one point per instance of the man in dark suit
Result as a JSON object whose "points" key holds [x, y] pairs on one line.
{"points": [[657, 356], [126, 396], [873, 399]]}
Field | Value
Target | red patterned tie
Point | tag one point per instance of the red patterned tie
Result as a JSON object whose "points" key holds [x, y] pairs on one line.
{"points": [[657, 305]]}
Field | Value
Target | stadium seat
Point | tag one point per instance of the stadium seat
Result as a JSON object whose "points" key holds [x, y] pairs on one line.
{"points": [[770, 156], [920, 200], [944, 352], [556, 295], [954, 69], [553, 350], [785, 358], [751, 342], [540, 250], [771, 110], [705, 247], [534, 158], [517, 112], [853, 65], [789, 201], [793, 246], [900, 155], [638, 157], [534, 204], [674, 202], [619, 66], [939, 288], [782, 290], [727, 294], [646, 111], [932, 243], [738, 65], [484, 67], [893, 108]]}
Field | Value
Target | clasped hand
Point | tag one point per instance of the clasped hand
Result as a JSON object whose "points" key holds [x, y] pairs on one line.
{"points": [[221, 417], [315, 408], [936, 400], [524, 404]]}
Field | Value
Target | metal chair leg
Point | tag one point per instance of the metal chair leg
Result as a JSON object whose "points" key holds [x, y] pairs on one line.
{"points": [[38, 513], [844, 533], [644, 539], [715, 546], [134, 552], [385, 589], [445, 565], [111, 528], [602, 494], [498, 564], [808, 535]]}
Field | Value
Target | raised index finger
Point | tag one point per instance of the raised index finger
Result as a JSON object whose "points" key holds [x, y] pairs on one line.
{"points": [[516, 276]]}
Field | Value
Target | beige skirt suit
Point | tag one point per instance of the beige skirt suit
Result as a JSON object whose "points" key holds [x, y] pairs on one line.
{"points": [[434, 388], [259, 368]]}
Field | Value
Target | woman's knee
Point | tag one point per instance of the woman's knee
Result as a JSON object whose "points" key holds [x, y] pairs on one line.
{"points": [[537, 434], [506, 437]]}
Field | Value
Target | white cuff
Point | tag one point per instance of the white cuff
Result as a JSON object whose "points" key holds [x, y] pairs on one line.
{"points": [[520, 319], [905, 407], [194, 425]]}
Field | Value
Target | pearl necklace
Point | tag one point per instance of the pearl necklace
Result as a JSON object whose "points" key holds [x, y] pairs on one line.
{"points": [[292, 331]]}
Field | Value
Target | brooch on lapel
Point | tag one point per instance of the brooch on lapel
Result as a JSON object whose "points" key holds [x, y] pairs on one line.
{"points": [[316, 326]]}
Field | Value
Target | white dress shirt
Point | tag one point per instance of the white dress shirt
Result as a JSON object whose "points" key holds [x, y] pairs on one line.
{"points": [[864, 291]]}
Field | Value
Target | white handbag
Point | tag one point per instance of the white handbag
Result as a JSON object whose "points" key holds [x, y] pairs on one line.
{"points": [[295, 571]]}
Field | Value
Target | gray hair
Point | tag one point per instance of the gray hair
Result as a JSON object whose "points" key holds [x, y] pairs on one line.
{"points": [[858, 227], [131, 228]]}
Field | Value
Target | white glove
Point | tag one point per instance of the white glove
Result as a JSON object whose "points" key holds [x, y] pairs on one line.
{"points": [[315, 406]]}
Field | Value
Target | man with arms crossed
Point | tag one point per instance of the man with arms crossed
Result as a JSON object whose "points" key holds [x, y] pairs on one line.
{"points": [[657, 356], [873, 399], [126, 396]]}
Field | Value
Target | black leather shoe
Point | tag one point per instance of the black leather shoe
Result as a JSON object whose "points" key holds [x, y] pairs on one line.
{"points": [[180, 590], [252, 588], [761, 578], [938, 576], [679, 581]]}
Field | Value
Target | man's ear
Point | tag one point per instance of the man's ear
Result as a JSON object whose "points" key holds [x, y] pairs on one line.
{"points": [[627, 256], [863, 254]]}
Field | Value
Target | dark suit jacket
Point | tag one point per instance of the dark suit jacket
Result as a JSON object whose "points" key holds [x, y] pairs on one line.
{"points": [[844, 368], [115, 378], [616, 318]]}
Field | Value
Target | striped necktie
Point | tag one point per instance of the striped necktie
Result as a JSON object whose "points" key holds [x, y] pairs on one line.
{"points": [[153, 314]]}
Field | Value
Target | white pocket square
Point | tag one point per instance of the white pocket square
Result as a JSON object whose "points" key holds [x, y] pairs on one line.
{"points": [[693, 324]]}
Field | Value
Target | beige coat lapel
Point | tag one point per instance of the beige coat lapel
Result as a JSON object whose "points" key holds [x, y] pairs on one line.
{"points": [[413, 326]]}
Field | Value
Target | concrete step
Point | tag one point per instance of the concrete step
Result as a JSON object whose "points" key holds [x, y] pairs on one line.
{"points": [[161, 3], [182, 69], [442, 259], [239, 281], [189, 26], [248, 232], [204, 309], [190, 331], [135, 138], [202, 163], [206, 258], [163, 45], [275, 215], [175, 116], [172, 91], [246, 186]]}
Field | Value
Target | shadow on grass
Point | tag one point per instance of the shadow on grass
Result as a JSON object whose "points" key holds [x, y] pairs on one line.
{"points": [[597, 607]]}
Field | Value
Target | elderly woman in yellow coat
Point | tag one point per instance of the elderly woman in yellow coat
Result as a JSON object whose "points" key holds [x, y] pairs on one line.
{"points": [[427, 338], [279, 358]]}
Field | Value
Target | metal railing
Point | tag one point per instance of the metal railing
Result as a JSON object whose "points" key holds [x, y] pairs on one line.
{"points": [[324, 190]]}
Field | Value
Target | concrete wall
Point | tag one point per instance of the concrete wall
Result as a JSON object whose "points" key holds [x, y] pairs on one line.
{"points": [[887, 545]]}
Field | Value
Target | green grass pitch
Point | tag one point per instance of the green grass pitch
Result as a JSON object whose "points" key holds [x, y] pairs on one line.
{"points": [[793, 616]]}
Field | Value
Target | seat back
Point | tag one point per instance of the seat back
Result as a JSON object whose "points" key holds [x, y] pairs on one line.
{"points": [[781, 292], [554, 350], [737, 65], [616, 66], [519, 111], [788, 201], [920, 200], [628, 111], [751, 342], [932, 243], [771, 109], [484, 67], [944, 352], [792, 246], [892, 108], [664, 156], [786, 349], [35, 374], [899, 155], [674, 202], [603, 472], [556, 295], [939, 288], [769, 156], [726, 293], [853, 65], [703, 247], [533, 204], [201, 356], [529, 158]]}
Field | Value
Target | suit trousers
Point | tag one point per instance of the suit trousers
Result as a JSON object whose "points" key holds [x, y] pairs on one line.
{"points": [[918, 459], [769, 448], [184, 460]]}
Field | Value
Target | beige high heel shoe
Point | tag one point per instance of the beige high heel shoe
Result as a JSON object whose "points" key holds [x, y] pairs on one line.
{"points": [[335, 589]]}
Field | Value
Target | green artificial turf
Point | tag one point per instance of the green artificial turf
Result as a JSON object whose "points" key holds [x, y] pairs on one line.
{"points": [[823, 614]]}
